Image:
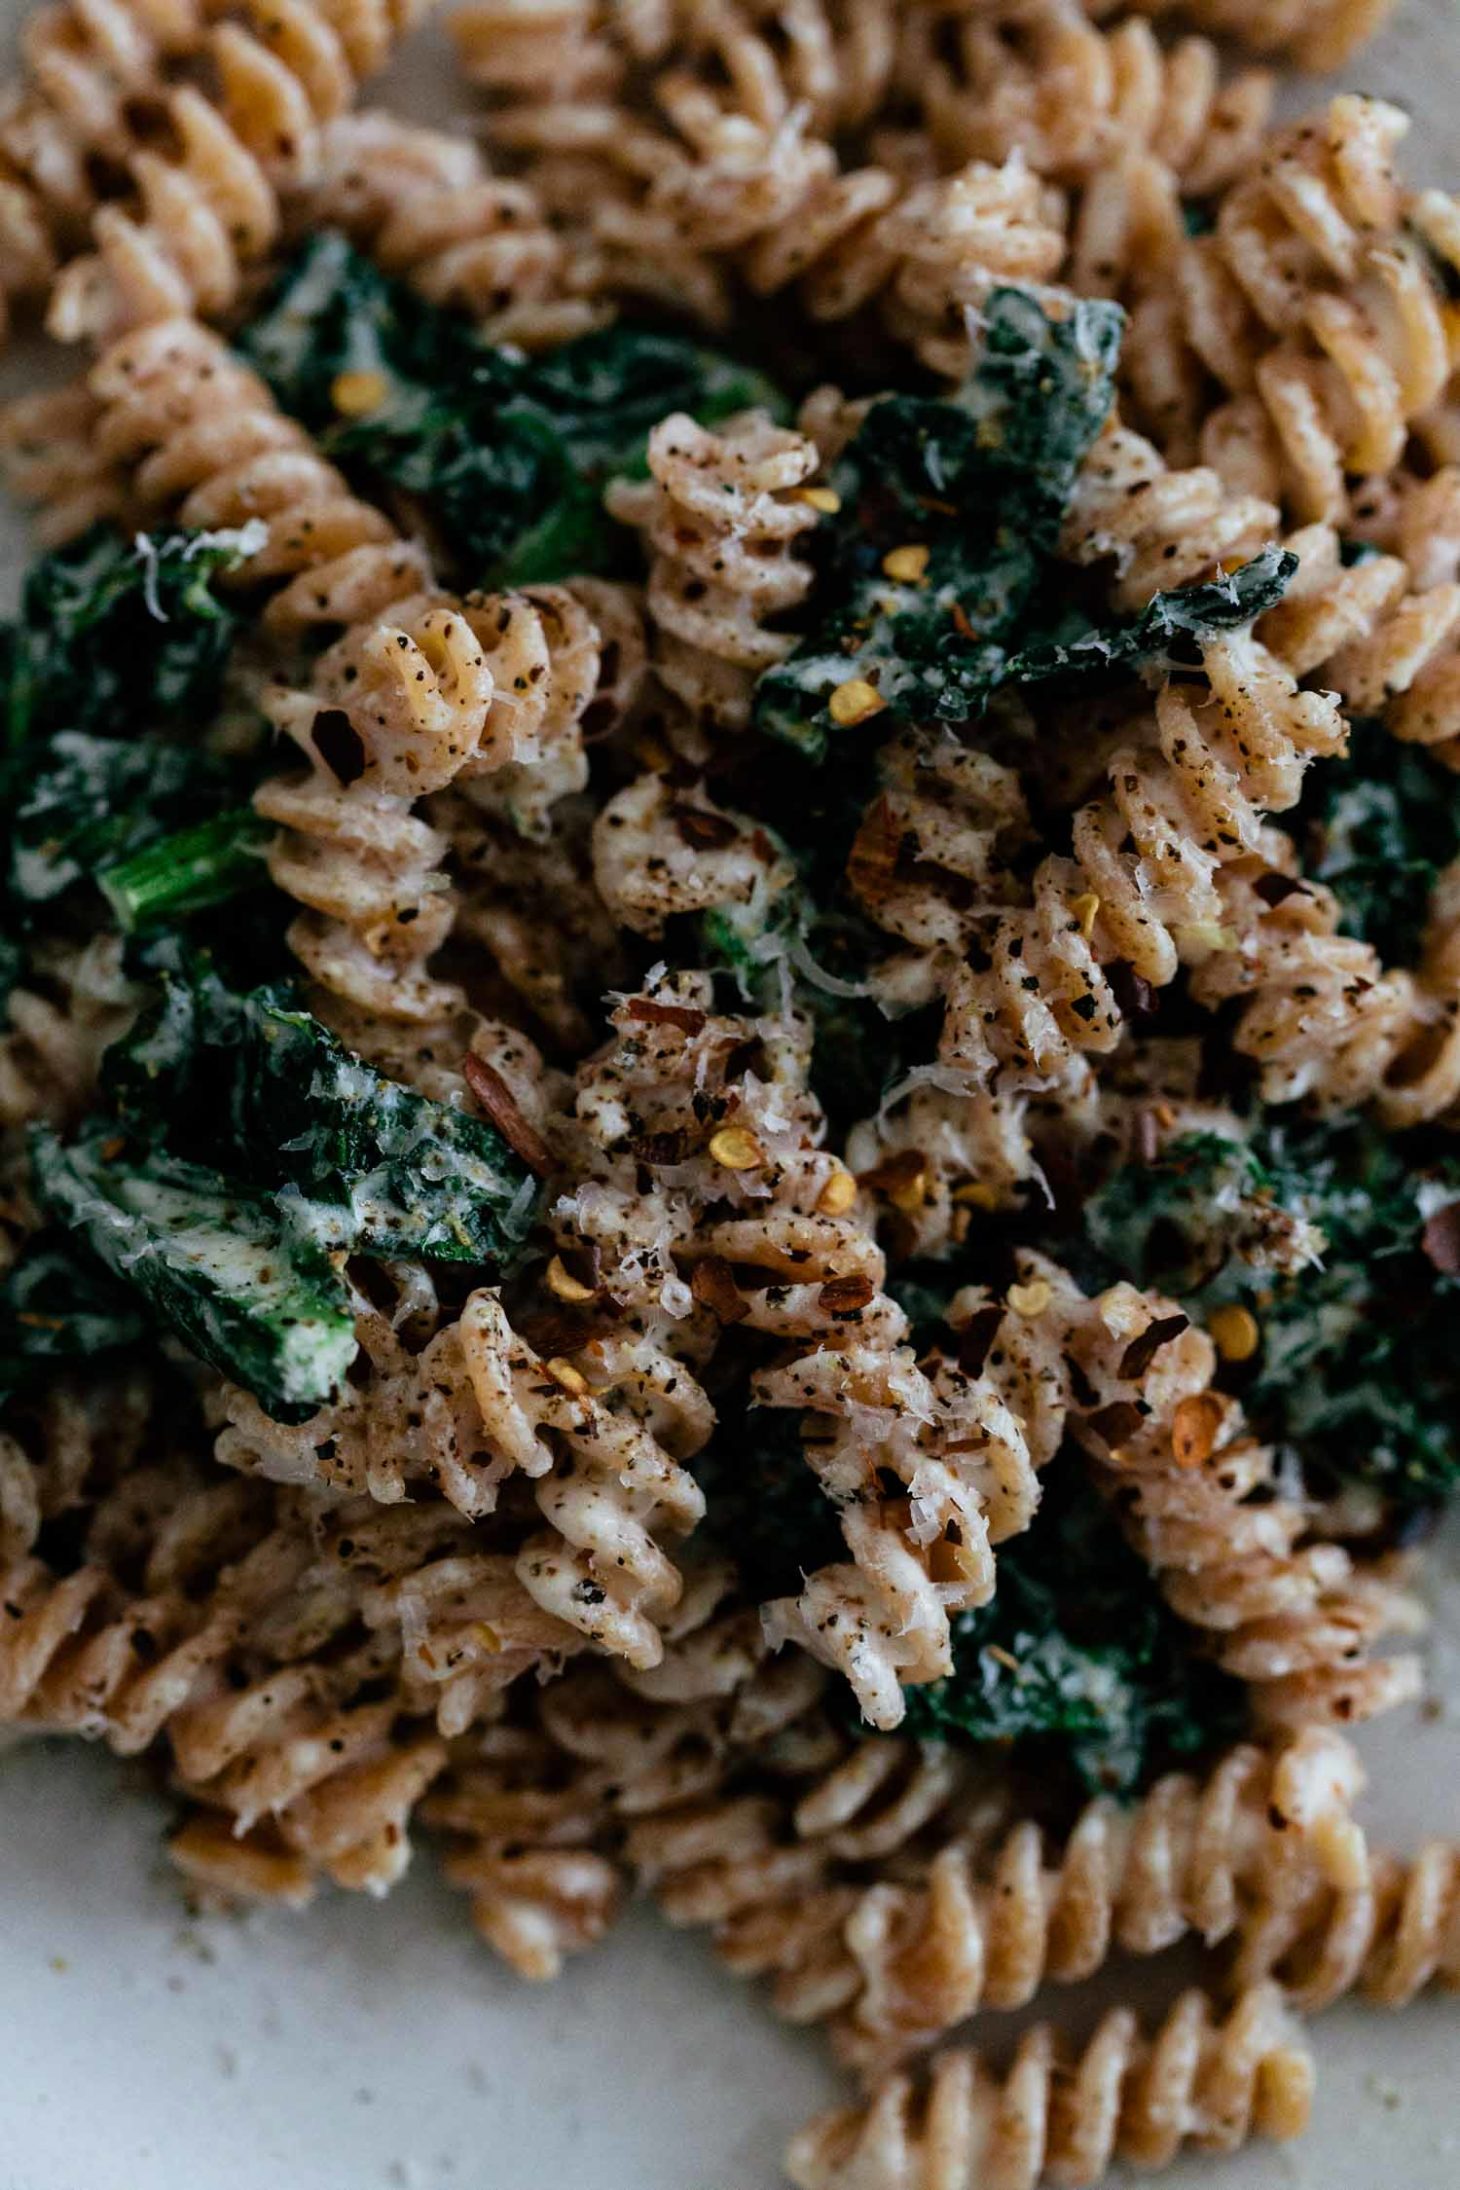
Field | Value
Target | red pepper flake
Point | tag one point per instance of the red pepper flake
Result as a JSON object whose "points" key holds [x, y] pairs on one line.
{"points": [[896, 1174], [961, 623], [1276, 889], [846, 1296], [713, 1285], [976, 1338], [872, 861], [496, 1101], [1142, 1351], [703, 829], [645, 1012], [1117, 1423], [1440, 1240]]}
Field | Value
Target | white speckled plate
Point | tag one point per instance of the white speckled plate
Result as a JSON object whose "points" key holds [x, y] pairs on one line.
{"points": [[362, 2046]]}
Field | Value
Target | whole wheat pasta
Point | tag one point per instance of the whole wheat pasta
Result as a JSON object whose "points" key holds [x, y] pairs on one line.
{"points": [[790, 1257], [58, 1023], [88, 70], [1317, 37], [1184, 798], [424, 206], [1061, 2116], [720, 514], [1292, 1618], [988, 1919], [204, 204], [1044, 81], [1387, 1935]]}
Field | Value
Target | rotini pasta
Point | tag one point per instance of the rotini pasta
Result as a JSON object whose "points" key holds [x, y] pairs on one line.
{"points": [[1057, 2115]]}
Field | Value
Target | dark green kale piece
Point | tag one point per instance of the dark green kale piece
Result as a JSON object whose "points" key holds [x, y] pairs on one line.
{"points": [[1378, 826], [355, 1161], [120, 635], [212, 1260], [977, 484], [1341, 1242], [1076, 1658], [979, 481], [509, 455], [57, 1305], [86, 806], [1166, 634]]}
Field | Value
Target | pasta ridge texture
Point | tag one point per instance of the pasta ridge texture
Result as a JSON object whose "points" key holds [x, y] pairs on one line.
{"points": [[206, 205], [993, 1917], [1388, 1935], [1061, 2116]]}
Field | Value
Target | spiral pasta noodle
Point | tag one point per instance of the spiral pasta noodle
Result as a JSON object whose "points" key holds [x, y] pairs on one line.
{"points": [[424, 206], [1045, 82], [1320, 37], [720, 514], [992, 1917], [1293, 1619], [1387, 1935], [75, 999], [792, 1259], [1057, 2115], [1142, 887], [207, 208]]}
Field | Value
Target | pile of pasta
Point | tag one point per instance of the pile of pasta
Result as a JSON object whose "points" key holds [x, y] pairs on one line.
{"points": [[487, 1598]]}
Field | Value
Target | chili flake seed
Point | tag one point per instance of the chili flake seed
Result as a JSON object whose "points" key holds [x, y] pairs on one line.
{"points": [[356, 395], [976, 1194], [485, 1636], [1085, 908], [853, 702], [838, 1194], [563, 1373], [1195, 1427], [909, 1191], [826, 499], [1003, 1657], [1032, 1299], [562, 1282], [1235, 1333], [736, 1149], [908, 565]]}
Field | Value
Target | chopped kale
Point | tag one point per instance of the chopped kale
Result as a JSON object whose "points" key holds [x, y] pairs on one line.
{"points": [[85, 805], [763, 1503], [508, 454], [1320, 1229], [213, 1262], [1167, 632], [1077, 1659], [1377, 827], [118, 635], [355, 1161], [935, 573], [57, 1305]]}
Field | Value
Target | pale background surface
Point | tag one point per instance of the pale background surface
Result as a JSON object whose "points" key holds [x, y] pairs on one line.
{"points": [[365, 2047]]}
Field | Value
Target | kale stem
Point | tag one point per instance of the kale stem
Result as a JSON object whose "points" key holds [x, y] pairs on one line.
{"points": [[188, 871]]}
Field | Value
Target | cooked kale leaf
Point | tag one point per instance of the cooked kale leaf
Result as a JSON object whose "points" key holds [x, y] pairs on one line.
{"points": [[58, 1304], [354, 1160], [85, 805], [118, 635], [1167, 632], [935, 575], [1377, 826], [509, 454], [212, 1260], [1319, 1228], [1077, 1659]]}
